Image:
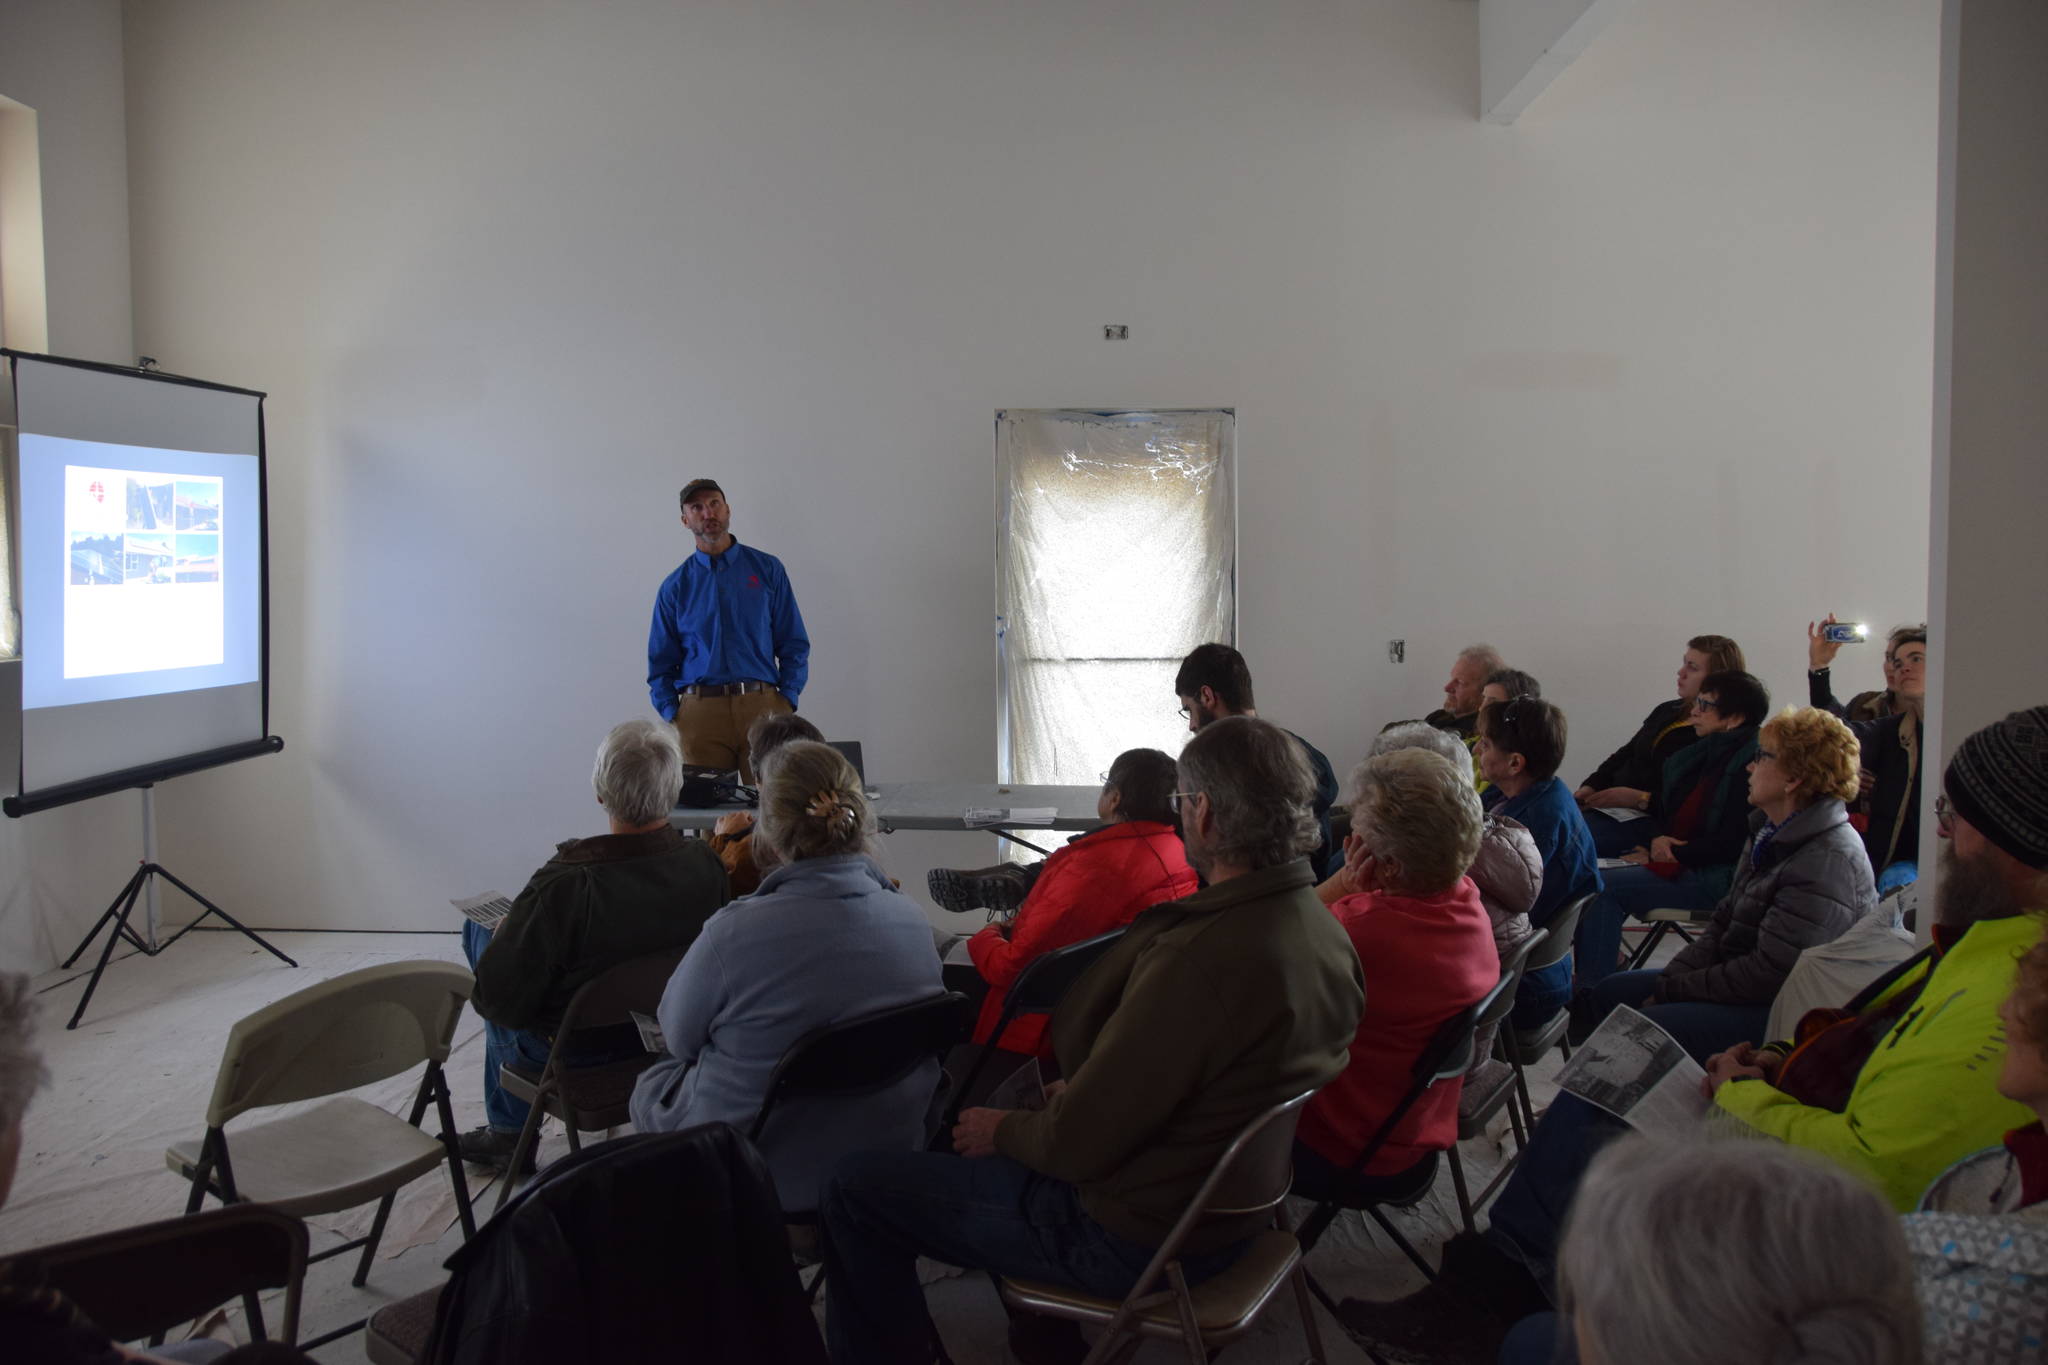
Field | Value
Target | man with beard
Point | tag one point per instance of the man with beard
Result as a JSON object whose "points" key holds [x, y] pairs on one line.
{"points": [[1896, 1086]]}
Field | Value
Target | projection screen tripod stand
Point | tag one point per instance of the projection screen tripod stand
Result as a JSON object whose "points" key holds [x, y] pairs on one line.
{"points": [[119, 913]]}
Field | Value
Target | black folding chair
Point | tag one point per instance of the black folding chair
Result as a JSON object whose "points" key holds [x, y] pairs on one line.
{"points": [[587, 1099], [1522, 1048], [142, 1282], [859, 1056], [1038, 989], [1446, 1057], [1478, 1104]]}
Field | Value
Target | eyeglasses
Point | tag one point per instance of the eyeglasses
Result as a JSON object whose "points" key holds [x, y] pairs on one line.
{"points": [[1175, 799], [1185, 714], [1706, 704], [1944, 815]]}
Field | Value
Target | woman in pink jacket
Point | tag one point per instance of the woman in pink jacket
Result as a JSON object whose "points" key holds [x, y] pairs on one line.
{"points": [[1098, 882]]}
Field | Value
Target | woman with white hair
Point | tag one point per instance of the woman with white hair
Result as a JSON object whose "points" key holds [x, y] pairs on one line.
{"points": [[1426, 944], [1725, 1253], [825, 938]]}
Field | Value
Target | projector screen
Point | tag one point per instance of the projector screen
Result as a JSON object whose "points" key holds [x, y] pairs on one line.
{"points": [[142, 577]]}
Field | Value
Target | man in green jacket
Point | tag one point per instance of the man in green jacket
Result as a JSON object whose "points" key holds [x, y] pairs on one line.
{"points": [[1209, 1011], [641, 888], [1896, 1087]]}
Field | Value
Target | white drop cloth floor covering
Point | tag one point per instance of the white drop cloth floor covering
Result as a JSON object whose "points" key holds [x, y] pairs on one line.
{"points": [[135, 1076]]}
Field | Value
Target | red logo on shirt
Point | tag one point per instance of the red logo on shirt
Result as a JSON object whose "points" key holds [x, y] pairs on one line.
{"points": [[753, 580]]}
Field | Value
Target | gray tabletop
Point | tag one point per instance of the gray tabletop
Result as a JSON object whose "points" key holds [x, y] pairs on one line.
{"points": [[943, 805]]}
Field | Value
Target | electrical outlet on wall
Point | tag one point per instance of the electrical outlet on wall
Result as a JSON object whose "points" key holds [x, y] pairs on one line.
{"points": [[1397, 651], [1116, 331]]}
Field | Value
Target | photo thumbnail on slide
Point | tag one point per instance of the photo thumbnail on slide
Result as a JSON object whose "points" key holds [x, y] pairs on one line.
{"points": [[143, 590]]}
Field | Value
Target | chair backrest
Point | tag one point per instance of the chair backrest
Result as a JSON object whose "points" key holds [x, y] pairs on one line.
{"points": [[616, 994], [354, 1029], [1511, 968], [869, 1052], [137, 1282], [1259, 1158], [1562, 927], [1044, 982], [1449, 1053]]}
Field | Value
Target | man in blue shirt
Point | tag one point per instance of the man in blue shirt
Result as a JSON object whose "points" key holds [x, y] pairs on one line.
{"points": [[727, 645]]}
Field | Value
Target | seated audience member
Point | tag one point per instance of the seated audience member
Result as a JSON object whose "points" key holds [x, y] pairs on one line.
{"points": [[1708, 1253], [1508, 869], [1802, 880], [732, 838], [1890, 802], [1631, 773], [598, 902], [37, 1322], [1464, 692], [1699, 821], [1213, 682], [827, 937], [1894, 1088], [1980, 1236], [1521, 744], [1209, 1011], [1505, 684], [1098, 882], [1426, 945]]}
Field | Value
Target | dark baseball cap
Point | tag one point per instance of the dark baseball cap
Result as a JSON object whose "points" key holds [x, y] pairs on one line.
{"points": [[698, 486]]}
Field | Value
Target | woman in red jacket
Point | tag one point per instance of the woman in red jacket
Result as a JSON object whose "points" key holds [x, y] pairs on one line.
{"points": [[1098, 882]]}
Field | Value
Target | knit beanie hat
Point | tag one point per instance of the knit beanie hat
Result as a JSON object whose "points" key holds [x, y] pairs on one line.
{"points": [[1998, 781]]}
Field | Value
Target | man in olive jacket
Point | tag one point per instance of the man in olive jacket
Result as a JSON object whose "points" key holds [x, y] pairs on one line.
{"points": [[1212, 1009], [642, 888]]}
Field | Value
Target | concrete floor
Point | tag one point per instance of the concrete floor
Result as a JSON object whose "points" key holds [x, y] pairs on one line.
{"points": [[135, 1077]]}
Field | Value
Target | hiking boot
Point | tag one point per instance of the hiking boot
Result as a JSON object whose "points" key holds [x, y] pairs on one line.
{"points": [[1001, 888], [492, 1149]]}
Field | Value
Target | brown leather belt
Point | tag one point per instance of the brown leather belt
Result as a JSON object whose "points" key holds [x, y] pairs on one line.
{"points": [[724, 689]]}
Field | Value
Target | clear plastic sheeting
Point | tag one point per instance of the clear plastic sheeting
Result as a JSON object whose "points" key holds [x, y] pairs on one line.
{"points": [[1115, 556]]}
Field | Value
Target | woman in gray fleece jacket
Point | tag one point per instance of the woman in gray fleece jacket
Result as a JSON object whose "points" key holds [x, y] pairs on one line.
{"points": [[825, 938], [1803, 879]]}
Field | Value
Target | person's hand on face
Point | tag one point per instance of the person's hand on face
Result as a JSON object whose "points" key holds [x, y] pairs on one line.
{"points": [[1360, 865], [739, 822]]}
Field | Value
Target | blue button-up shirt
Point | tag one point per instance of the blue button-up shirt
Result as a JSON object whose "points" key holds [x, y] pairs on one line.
{"points": [[724, 619]]}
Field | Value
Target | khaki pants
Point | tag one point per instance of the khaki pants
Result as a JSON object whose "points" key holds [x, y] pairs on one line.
{"points": [[713, 730]]}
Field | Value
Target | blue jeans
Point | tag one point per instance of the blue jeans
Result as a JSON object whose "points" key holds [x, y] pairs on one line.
{"points": [[1540, 1339], [1700, 1028], [1528, 1218], [507, 1113], [1542, 993], [882, 1210], [1629, 891]]}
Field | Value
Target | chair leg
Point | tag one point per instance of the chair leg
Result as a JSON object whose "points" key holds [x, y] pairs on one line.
{"points": [[1308, 1314], [1458, 1183], [1190, 1327], [376, 1235], [1522, 1091], [456, 1175], [1515, 1122], [1407, 1248], [252, 1309], [575, 1139], [529, 1138]]}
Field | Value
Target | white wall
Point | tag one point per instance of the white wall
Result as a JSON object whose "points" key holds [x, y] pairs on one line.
{"points": [[1991, 413], [62, 58], [1651, 362]]}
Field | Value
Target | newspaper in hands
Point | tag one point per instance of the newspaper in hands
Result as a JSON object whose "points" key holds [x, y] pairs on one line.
{"points": [[1024, 1088], [650, 1032], [489, 909], [1638, 1073]]}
